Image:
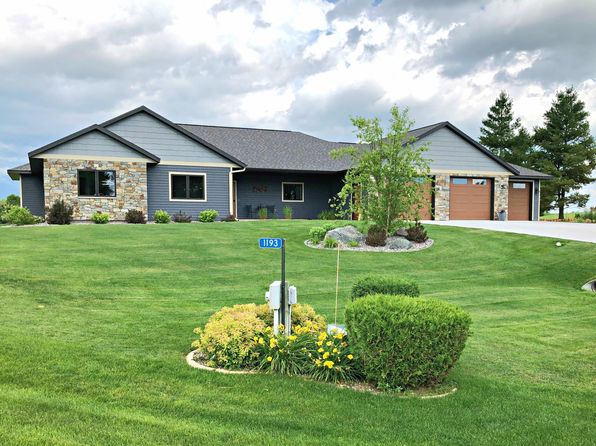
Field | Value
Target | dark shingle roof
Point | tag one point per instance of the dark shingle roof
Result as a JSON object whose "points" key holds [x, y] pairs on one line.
{"points": [[16, 171], [273, 149], [524, 172]]}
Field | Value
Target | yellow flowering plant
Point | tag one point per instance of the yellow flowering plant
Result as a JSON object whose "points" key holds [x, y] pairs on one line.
{"points": [[288, 355], [333, 359]]}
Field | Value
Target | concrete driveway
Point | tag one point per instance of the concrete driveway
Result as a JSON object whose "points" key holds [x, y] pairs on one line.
{"points": [[582, 232]]}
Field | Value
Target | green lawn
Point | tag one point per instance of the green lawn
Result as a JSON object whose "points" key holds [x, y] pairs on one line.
{"points": [[95, 322]]}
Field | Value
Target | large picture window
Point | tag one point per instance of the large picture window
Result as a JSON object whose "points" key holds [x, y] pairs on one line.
{"points": [[188, 186], [97, 183], [292, 191]]}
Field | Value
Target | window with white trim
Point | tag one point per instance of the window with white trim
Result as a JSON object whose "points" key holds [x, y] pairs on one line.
{"points": [[188, 186], [292, 192]]}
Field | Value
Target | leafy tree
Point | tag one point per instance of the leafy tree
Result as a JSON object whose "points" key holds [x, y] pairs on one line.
{"points": [[388, 169], [567, 151], [499, 129], [13, 200]]}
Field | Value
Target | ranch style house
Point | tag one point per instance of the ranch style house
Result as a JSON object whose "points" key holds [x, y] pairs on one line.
{"points": [[141, 160]]}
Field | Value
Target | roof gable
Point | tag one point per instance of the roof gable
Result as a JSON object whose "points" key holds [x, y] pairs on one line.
{"points": [[105, 133], [163, 136]]}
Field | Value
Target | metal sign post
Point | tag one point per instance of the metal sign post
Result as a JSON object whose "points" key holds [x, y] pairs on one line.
{"points": [[284, 297], [280, 296]]}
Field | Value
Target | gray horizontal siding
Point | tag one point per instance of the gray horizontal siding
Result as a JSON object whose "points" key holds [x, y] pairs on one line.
{"points": [[218, 197], [448, 151], [94, 144], [32, 194], [161, 140], [264, 189]]}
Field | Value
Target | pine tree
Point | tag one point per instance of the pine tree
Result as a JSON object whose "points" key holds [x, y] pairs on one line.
{"points": [[499, 129], [522, 148], [567, 151]]}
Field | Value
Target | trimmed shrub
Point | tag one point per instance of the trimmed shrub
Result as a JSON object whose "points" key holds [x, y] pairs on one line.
{"points": [[4, 208], [181, 217], [417, 233], [381, 284], [317, 234], [19, 216], [377, 236], [161, 217], [228, 337], [288, 212], [406, 342], [60, 213], [328, 226], [134, 216], [263, 213], [100, 218], [327, 214], [330, 242], [303, 315], [208, 216]]}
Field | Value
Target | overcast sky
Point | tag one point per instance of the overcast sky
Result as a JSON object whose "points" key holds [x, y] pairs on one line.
{"points": [[303, 65]]}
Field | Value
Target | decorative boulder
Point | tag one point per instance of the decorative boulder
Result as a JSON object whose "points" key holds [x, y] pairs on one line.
{"points": [[346, 235], [401, 232], [398, 243]]}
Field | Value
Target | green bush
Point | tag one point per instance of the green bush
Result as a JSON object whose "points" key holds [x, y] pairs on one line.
{"points": [[417, 233], [230, 218], [60, 213], [317, 234], [208, 215], [228, 337], [100, 218], [327, 215], [328, 226], [20, 216], [377, 236], [263, 213], [4, 207], [353, 244], [406, 342], [134, 216], [383, 284], [161, 216], [330, 242], [288, 212], [181, 217]]}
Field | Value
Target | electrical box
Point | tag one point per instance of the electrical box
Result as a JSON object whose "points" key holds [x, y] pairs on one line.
{"points": [[273, 296], [293, 295]]}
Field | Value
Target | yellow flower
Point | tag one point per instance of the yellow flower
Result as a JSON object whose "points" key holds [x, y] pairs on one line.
{"points": [[318, 362], [325, 355], [281, 327], [320, 350], [269, 358], [329, 343], [261, 341], [350, 356], [319, 343], [292, 338], [272, 343], [339, 335], [322, 336], [335, 350], [328, 364], [256, 338]]}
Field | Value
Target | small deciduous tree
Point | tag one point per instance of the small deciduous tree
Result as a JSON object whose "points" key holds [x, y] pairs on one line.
{"points": [[567, 151], [388, 169]]}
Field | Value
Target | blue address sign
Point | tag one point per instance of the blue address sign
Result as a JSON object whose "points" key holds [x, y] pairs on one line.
{"points": [[272, 243]]}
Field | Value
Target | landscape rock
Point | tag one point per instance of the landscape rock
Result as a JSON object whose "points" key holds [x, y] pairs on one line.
{"points": [[398, 243], [346, 234], [401, 232]]}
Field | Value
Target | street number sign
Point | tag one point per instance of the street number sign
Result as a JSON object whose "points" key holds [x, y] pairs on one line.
{"points": [[271, 243]]}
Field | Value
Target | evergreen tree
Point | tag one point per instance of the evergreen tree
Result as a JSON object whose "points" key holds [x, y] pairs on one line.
{"points": [[567, 151], [499, 129], [522, 148]]}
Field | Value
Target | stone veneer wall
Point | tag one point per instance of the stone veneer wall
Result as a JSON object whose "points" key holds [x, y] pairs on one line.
{"points": [[442, 185], [60, 182]]}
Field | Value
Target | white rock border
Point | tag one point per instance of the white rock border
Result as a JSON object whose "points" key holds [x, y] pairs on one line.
{"points": [[190, 360], [365, 248]]}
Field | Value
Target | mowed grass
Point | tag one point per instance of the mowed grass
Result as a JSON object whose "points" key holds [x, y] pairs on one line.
{"points": [[95, 322]]}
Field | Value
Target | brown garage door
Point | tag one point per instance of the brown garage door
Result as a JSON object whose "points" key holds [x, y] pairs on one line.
{"points": [[470, 198], [519, 200]]}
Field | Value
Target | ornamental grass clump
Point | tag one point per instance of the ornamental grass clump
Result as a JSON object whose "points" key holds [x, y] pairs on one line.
{"points": [[406, 342]]}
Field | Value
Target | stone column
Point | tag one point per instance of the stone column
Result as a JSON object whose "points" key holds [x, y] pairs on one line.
{"points": [[501, 195], [442, 197]]}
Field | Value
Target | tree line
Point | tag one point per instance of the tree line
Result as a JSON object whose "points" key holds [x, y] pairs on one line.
{"points": [[562, 147]]}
